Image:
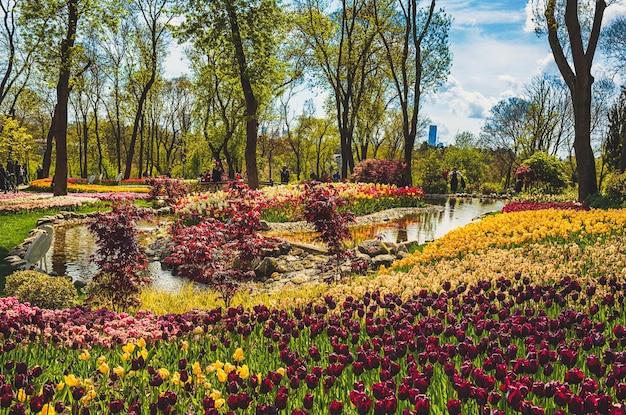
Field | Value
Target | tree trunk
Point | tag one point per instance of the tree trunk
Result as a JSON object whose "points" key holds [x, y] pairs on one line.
{"points": [[252, 105], [63, 92], [47, 155], [585, 160]]}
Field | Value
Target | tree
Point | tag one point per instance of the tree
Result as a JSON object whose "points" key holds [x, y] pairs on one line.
{"points": [[342, 45], [565, 32], [249, 34], [504, 130], [614, 146], [151, 34], [418, 58], [613, 43]]}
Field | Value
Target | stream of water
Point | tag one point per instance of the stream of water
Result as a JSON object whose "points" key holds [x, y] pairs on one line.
{"points": [[73, 246]]}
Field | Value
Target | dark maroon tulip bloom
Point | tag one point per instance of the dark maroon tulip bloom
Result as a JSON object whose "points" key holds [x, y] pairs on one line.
{"points": [[307, 401], [18, 409], [36, 403], [116, 406], [422, 405], [335, 407], [281, 401], [454, 407], [574, 376]]}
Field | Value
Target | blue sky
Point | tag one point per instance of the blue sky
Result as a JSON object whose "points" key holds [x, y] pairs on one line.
{"points": [[495, 54]]}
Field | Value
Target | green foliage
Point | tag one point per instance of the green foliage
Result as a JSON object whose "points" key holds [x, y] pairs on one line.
{"points": [[600, 201], [615, 189], [548, 173], [489, 188], [429, 171], [41, 290]]}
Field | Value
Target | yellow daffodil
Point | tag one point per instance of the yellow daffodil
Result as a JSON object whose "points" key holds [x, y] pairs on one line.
{"points": [[238, 355]]}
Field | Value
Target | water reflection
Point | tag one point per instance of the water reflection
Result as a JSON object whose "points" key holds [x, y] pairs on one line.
{"points": [[74, 245]]}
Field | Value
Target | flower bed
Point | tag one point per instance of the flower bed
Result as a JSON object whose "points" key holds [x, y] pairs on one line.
{"points": [[532, 205], [284, 203], [76, 186], [527, 319], [518, 228], [498, 346], [13, 202]]}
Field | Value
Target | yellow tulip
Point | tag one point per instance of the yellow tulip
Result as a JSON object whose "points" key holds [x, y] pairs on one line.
{"points": [[219, 403], [238, 355], [21, 395], [48, 409], [101, 360], [164, 373], [196, 368], [103, 368], [184, 345], [221, 375], [281, 371], [128, 348], [84, 355], [141, 343], [215, 394], [243, 372], [119, 371], [126, 356], [72, 381], [144, 353], [229, 367]]}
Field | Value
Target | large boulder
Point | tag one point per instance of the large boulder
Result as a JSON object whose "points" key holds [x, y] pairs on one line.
{"points": [[373, 247]]}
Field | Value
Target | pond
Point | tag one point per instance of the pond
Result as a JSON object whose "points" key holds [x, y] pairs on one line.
{"points": [[73, 245]]}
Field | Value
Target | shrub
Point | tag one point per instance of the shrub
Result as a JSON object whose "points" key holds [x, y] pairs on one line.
{"points": [[163, 186], [119, 253], [600, 201], [490, 188], [616, 188], [221, 253], [548, 173], [322, 204], [378, 171], [41, 290]]}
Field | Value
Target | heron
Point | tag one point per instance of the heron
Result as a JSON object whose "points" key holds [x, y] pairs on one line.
{"points": [[37, 250]]}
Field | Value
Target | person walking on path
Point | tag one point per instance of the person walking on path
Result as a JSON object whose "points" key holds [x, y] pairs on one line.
{"points": [[284, 175], [454, 180]]}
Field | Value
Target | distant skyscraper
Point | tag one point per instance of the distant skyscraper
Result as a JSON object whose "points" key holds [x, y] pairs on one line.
{"points": [[432, 136]]}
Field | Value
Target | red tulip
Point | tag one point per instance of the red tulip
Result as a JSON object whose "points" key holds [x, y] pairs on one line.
{"points": [[335, 407]]}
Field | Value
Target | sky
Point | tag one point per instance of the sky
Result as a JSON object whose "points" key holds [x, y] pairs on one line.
{"points": [[495, 53]]}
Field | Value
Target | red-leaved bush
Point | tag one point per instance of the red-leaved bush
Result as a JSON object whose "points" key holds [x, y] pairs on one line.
{"points": [[222, 254], [119, 257], [529, 205], [378, 171], [321, 209], [163, 186]]}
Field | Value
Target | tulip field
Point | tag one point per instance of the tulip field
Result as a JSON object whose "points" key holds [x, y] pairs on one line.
{"points": [[521, 312]]}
